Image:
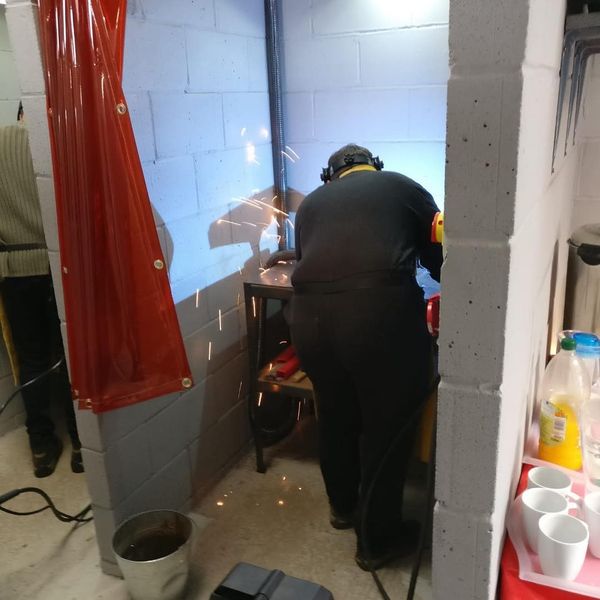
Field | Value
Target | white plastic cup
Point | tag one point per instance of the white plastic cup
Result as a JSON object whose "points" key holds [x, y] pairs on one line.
{"points": [[549, 478], [562, 542], [590, 433], [538, 502], [591, 511]]}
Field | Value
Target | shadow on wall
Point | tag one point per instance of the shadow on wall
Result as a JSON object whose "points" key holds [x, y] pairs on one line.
{"points": [[210, 421]]}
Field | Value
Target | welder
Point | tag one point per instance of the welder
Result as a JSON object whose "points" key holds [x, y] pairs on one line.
{"points": [[358, 323]]}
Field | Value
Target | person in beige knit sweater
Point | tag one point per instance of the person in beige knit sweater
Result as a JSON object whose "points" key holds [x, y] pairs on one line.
{"points": [[30, 305]]}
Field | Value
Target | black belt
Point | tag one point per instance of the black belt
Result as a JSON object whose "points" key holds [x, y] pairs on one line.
{"points": [[354, 283], [19, 247]]}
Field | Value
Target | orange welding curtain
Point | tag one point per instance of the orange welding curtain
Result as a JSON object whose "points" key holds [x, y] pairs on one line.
{"points": [[124, 341]]}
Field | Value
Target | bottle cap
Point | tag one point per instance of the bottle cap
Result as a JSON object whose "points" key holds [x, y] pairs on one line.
{"points": [[588, 345], [568, 344]]}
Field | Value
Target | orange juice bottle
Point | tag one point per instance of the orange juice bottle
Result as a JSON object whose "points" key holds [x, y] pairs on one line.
{"points": [[565, 387]]}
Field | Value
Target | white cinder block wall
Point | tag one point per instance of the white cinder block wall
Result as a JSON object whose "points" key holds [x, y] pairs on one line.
{"points": [[10, 93], [587, 204], [374, 73], [507, 220], [9, 83], [196, 85]]}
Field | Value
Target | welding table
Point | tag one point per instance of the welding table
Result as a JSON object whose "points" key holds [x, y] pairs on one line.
{"points": [[275, 284]]}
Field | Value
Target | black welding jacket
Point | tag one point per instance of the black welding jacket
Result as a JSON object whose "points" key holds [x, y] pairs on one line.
{"points": [[367, 223]]}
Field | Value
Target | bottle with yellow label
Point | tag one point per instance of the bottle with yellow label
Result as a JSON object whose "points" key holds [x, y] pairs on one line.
{"points": [[565, 387]]}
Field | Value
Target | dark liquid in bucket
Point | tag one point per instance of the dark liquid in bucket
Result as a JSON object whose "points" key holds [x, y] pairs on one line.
{"points": [[154, 545]]}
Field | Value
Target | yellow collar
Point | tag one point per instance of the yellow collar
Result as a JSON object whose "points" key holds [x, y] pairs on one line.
{"points": [[357, 168]]}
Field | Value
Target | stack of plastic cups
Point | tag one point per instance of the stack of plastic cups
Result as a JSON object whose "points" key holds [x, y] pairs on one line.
{"points": [[588, 349]]}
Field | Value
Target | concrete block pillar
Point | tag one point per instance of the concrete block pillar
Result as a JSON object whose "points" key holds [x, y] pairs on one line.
{"points": [[507, 216]]}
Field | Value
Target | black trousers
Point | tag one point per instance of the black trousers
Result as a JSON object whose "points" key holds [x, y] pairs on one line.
{"points": [[31, 309], [368, 354]]}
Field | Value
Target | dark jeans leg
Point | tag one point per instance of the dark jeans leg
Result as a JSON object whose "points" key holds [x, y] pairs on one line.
{"points": [[31, 310], [339, 434], [338, 408]]}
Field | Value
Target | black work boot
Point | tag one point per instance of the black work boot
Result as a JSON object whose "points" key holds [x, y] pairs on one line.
{"points": [[76, 458], [339, 520], [45, 455], [404, 545]]}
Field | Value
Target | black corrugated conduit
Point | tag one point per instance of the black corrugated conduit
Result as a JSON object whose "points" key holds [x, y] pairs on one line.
{"points": [[273, 39]]}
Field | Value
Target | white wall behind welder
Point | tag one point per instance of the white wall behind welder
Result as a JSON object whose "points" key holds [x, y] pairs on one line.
{"points": [[587, 204], [372, 72], [10, 92], [200, 111]]}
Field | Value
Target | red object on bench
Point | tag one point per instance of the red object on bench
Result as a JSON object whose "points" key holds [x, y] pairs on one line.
{"points": [[286, 355], [287, 369]]}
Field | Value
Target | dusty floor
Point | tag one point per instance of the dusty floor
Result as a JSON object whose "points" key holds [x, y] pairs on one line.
{"points": [[277, 520]]}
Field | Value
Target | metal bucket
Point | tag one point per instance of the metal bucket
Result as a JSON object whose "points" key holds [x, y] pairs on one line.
{"points": [[153, 552]]}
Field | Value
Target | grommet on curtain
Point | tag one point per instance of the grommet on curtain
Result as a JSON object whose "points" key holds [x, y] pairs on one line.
{"points": [[158, 264], [121, 108], [186, 382]]}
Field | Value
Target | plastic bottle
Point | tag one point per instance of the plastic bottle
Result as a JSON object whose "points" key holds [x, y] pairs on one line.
{"points": [[565, 387], [588, 349]]}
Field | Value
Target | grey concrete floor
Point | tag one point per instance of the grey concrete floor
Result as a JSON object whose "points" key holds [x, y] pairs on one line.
{"points": [[276, 520]]}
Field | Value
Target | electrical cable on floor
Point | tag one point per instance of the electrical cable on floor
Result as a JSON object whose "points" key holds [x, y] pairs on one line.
{"points": [[61, 516], [31, 382], [363, 517]]}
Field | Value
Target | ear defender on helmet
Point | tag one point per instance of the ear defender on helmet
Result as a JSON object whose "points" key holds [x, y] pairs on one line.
{"points": [[349, 160]]}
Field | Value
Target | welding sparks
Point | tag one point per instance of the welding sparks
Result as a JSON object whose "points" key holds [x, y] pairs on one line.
{"points": [[227, 221], [260, 398], [251, 153], [287, 156], [272, 207], [197, 296], [209, 350], [292, 151], [254, 306], [249, 202], [220, 321]]}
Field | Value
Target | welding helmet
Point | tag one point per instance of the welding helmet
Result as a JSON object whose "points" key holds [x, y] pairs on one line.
{"points": [[349, 156]]}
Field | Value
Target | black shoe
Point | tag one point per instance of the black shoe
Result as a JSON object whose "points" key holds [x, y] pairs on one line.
{"points": [[76, 461], [45, 456], [404, 546], [341, 520]]}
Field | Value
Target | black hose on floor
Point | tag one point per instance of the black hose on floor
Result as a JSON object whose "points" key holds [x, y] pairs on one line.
{"points": [[412, 422], [61, 516], [31, 382]]}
